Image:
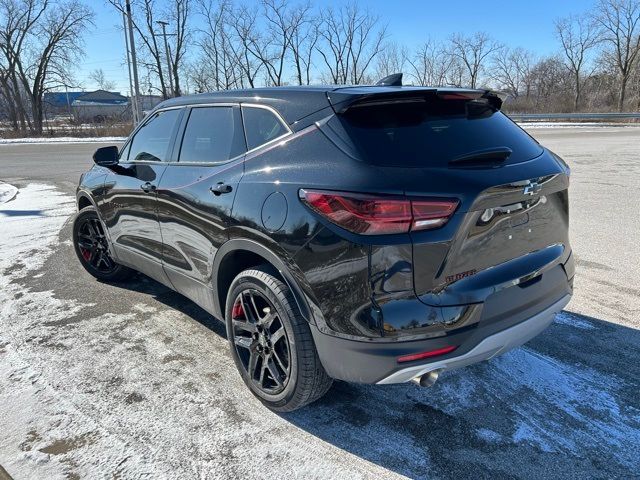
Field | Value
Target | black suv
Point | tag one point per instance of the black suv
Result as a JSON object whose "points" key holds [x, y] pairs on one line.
{"points": [[373, 234]]}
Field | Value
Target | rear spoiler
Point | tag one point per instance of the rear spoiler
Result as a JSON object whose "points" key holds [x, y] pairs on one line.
{"points": [[343, 99]]}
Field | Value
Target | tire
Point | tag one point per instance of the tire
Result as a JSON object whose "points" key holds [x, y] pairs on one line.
{"points": [[251, 335], [92, 248]]}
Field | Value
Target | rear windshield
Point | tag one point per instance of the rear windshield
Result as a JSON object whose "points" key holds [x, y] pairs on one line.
{"points": [[432, 132]]}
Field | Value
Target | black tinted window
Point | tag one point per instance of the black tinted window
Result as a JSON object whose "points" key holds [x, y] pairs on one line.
{"points": [[433, 132], [261, 126], [211, 136], [152, 140]]}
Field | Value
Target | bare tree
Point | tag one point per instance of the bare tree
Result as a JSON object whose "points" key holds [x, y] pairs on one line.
{"points": [[304, 37], [431, 64], [39, 42], [100, 79], [247, 35], [7, 97], [578, 35], [217, 67], [179, 16], [512, 70], [146, 29], [473, 51], [269, 46], [146, 15], [620, 23], [636, 84], [457, 74], [19, 21], [333, 48], [352, 39], [391, 59], [281, 24], [551, 84]]}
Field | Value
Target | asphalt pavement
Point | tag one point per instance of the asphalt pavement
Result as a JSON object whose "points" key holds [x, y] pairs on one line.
{"points": [[134, 381]]}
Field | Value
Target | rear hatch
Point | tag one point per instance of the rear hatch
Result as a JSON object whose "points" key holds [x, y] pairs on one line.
{"points": [[511, 225]]}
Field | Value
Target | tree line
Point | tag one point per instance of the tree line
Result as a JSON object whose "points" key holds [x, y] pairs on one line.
{"points": [[224, 44]]}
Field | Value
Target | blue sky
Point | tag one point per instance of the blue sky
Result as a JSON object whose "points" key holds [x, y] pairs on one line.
{"points": [[528, 24]]}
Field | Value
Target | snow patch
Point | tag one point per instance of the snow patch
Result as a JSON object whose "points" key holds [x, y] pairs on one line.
{"points": [[588, 412], [525, 433], [30, 226], [565, 318], [488, 435], [7, 192], [534, 125]]}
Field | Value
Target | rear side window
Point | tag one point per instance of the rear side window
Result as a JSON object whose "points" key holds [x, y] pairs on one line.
{"points": [[432, 132], [151, 142], [261, 126], [212, 135]]}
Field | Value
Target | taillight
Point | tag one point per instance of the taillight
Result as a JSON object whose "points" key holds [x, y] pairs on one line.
{"points": [[431, 213], [379, 214]]}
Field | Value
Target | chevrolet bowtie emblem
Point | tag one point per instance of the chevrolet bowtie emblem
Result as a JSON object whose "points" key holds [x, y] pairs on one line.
{"points": [[532, 188]]}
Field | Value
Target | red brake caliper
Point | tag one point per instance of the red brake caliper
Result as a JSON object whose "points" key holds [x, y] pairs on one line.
{"points": [[237, 311], [86, 254]]}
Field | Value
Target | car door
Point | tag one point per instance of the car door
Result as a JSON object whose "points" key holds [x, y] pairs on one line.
{"points": [[129, 205], [196, 194]]}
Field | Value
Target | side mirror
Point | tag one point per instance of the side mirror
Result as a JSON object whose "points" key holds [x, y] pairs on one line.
{"points": [[106, 156]]}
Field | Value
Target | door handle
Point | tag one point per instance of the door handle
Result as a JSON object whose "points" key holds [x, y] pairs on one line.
{"points": [[148, 187], [220, 188]]}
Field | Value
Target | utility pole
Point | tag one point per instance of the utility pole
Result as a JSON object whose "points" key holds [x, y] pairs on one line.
{"points": [[134, 109], [136, 85], [166, 51], [66, 89]]}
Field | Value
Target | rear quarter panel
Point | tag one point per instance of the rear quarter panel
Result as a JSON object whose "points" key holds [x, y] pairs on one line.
{"points": [[333, 266]]}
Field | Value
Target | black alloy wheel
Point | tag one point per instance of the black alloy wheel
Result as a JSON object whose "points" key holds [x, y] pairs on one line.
{"points": [[261, 341], [92, 247], [271, 342]]}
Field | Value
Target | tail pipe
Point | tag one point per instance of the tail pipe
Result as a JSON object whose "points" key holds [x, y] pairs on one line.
{"points": [[428, 379]]}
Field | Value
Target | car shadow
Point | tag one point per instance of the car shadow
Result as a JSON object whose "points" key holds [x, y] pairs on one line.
{"points": [[565, 402], [143, 284], [21, 213]]}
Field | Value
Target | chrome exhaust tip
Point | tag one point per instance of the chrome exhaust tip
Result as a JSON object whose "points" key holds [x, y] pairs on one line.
{"points": [[428, 379]]}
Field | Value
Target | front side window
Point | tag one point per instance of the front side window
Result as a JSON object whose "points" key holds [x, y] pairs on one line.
{"points": [[211, 136], [261, 126], [151, 142]]}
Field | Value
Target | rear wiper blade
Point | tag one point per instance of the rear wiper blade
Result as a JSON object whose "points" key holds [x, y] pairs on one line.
{"points": [[488, 156]]}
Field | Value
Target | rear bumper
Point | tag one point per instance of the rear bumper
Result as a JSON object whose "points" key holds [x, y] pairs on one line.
{"points": [[370, 362], [490, 347]]}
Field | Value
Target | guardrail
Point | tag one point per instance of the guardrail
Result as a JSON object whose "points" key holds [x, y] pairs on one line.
{"points": [[537, 117]]}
